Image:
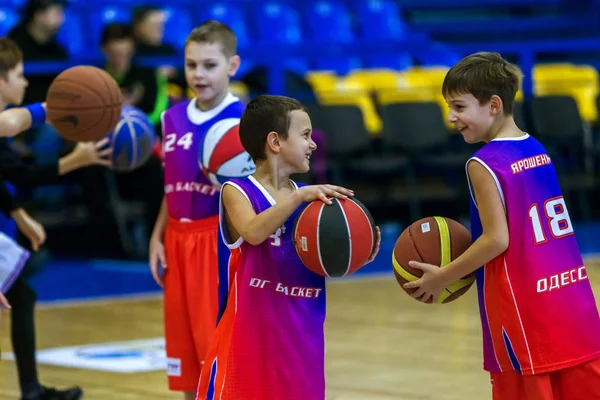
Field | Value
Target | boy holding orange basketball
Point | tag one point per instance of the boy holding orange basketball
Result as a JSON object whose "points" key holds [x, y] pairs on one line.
{"points": [[269, 344], [185, 237], [539, 317]]}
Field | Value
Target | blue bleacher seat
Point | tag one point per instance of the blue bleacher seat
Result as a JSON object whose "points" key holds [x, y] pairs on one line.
{"points": [[71, 34], [278, 23], [380, 19], [178, 25], [339, 64], [106, 15], [8, 19], [230, 15], [398, 61], [329, 21]]}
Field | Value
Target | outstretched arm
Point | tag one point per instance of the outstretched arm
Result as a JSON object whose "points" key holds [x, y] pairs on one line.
{"points": [[16, 120]]}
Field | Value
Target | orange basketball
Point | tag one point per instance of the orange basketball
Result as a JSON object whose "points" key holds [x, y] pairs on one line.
{"points": [[84, 103], [433, 240]]}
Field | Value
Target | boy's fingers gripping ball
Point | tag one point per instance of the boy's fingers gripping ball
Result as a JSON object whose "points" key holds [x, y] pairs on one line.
{"points": [[433, 240], [84, 103], [334, 240]]}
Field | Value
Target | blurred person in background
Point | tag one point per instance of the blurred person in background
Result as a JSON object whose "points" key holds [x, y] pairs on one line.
{"points": [[145, 89]]}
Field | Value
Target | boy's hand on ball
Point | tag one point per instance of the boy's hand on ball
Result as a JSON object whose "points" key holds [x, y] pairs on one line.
{"points": [[324, 192], [376, 247], [90, 153], [430, 285]]}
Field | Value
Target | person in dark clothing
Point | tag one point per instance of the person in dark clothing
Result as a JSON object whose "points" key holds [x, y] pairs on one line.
{"points": [[148, 30], [35, 35], [145, 89], [22, 297], [142, 87]]}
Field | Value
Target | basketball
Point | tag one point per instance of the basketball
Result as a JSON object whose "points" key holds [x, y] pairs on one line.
{"points": [[221, 155], [334, 240], [132, 140], [433, 240], [84, 103]]}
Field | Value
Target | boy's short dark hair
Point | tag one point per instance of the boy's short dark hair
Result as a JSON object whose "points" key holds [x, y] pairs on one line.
{"points": [[484, 75], [115, 31], [214, 32], [10, 55], [263, 115]]}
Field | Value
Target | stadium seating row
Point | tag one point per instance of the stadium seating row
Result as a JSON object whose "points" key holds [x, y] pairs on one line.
{"points": [[368, 89]]}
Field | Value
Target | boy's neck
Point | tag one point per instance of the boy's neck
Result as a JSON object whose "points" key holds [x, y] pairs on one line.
{"points": [[214, 102], [505, 128], [3, 104], [270, 174]]}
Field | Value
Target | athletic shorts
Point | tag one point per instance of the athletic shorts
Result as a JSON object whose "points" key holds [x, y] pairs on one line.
{"points": [[193, 251], [12, 260], [580, 382]]}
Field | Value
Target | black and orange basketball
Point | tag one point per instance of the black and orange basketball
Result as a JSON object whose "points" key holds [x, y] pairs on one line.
{"points": [[334, 240], [84, 103], [433, 240]]}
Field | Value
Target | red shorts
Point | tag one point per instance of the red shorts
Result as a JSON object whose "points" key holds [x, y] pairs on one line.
{"points": [[581, 382], [191, 297]]}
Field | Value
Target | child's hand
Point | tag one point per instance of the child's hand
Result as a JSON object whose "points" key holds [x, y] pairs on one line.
{"points": [[321, 192], [157, 255], [3, 301], [90, 153], [430, 285], [33, 230], [376, 247]]}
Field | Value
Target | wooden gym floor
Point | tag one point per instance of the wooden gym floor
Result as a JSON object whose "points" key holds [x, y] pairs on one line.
{"points": [[380, 344]]}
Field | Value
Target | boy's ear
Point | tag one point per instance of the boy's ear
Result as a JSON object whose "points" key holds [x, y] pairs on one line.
{"points": [[496, 105], [274, 142], [234, 65]]}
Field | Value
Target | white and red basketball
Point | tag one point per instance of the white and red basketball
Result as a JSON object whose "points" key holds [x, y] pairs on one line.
{"points": [[334, 240], [222, 156]]}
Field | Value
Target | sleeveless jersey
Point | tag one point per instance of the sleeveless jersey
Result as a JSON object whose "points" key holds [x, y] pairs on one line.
{"points": [[537, 308], [188, 192], [269, 342]]}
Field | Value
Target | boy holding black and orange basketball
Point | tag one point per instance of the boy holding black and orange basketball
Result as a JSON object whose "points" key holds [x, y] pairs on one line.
{"points": [[269, 343], [185, 237], [539, 316]]}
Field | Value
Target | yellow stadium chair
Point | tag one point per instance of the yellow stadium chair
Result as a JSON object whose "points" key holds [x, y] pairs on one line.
{"points": [[577, 81], [322, 81], [363, 100], [376, 80], [418, 85], [331, 89]]}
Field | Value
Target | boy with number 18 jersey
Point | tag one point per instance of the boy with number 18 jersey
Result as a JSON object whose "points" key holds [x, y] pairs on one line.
{"points": [[539, 318], [188, 220]]}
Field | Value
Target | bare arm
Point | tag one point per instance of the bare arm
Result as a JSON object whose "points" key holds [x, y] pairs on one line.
{"points": [[492, 242], [14, 121], [256, 228], [494, 238]]}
